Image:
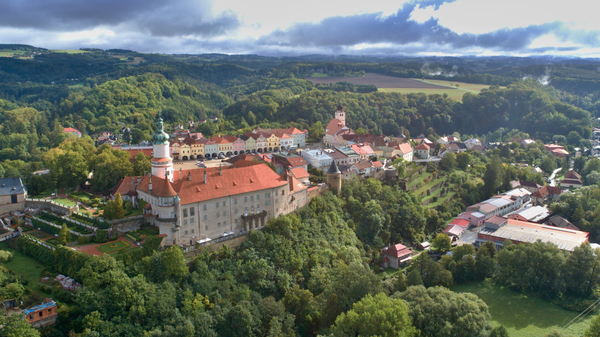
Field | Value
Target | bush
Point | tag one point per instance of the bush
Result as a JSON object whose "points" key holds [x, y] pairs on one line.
{"points": [[63, 296], [82, 240], [45, 288]]}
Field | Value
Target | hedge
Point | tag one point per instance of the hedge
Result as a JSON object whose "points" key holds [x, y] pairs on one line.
{"points": [[64, 260], [50, 229]]}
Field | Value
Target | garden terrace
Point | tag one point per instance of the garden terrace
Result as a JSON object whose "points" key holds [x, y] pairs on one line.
{"points": [[47, 229], [91, 221], [142, 233], [71, 225]]}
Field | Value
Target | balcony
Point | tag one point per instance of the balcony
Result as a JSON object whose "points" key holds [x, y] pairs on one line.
{"points": [[166, 221]]}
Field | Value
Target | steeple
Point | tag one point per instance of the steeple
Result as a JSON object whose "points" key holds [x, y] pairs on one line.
{"points": [[334, 178], [160, 137], [340, 114], [333, 168]]}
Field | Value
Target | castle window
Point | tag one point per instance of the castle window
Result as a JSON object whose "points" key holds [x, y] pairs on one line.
{"points": [[205, 228], [224, 213], [224, 203], [192, 211], [245, 199], [217, 204], [235, 201], [257, 197], [205, 217], [251, 198], [185, 222], [204, 208], [219, 224], [185, 212], [192, 220]]}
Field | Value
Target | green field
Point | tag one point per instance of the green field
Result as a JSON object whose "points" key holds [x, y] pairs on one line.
{"points": [[523, 315], [69, 51], [452, 93], [455, 94], [25, 266], [319, 75], [112, 247]]}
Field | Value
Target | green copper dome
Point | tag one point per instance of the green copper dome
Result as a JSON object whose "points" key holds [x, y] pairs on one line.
{"points": [[160, 137]]}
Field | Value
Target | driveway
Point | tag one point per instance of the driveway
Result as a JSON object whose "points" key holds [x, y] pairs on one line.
{"points": [[551, 178], [469, 236]]}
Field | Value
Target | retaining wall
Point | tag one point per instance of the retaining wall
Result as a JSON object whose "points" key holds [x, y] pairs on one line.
{"points": [[51, 205]]}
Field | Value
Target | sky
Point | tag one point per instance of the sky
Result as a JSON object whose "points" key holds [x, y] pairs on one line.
{"points": [[282, 27]]}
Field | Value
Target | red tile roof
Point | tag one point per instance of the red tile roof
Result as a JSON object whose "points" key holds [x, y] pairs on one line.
{"points": [[397, 251], [299, 172], [423, 146], [460, 222], [334, 126], [233, 181], [146, 152], [70, 130], [405, 148], [125, 185]]}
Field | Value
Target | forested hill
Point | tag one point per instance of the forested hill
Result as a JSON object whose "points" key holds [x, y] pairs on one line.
{"points": [[94, 90]]}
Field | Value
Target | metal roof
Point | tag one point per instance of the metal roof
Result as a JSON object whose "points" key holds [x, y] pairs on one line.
{"points": [[10, 186]]}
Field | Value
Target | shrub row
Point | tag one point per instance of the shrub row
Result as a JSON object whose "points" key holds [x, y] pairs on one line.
{"points": [[63, 260]]}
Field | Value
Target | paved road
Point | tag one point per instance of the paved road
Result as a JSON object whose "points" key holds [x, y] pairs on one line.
{"points": [[469, 236], [552, 182]]}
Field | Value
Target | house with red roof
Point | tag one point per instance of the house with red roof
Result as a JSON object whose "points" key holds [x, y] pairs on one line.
{"points": [[423, 150], [403, 150], [395, 256], [72, 131]]}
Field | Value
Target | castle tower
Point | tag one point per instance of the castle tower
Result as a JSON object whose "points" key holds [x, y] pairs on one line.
{"points": [[341, 114], [334, 178], [162, 163]]}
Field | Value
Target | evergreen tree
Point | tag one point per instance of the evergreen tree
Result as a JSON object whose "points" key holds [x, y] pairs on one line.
{"points": [[119, 211], [64, 235], [493, 177]]}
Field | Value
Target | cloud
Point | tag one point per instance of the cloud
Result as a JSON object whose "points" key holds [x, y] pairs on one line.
{"points": [[400, 29], [154, 17]]}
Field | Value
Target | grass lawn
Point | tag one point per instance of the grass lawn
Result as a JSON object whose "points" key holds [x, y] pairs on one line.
{"points": [[429, 185], [441, 200], [42, 195], [39, 235], [25, 266], [112, 247], [319, 75], [419, 178], [523, 315], [66, 202]]}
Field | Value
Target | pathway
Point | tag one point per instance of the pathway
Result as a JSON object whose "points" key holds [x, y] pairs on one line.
{"points": [[551, 178], [92, 250]]}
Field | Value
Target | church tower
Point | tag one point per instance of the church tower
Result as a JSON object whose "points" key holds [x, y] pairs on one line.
{"points": [[341, 114], [162, 163]]}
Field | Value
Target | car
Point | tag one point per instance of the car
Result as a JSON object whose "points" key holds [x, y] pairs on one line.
{"points": [[208, 158], [201, 165]]}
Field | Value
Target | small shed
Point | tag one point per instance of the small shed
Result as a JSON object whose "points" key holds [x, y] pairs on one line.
{"points": [[424, 245]]}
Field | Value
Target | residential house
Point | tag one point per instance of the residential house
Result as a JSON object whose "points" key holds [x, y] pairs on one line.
{"points": [[546, 194], [72, 131], [395, 256], [300, 174], [469, 143], [211, 149], [285, 141], [423, 150], [42, 315], [572, 180], [404, 151], [224, 145], [352, 157], [249, 144], [447, 140], [285, 161], [12, 195], [556, 150], [317, 158]]}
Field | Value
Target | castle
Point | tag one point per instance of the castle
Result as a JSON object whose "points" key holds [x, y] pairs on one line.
{"points": [[195, 206]]}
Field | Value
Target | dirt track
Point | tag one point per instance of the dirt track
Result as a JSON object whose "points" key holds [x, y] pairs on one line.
{"points": [[380, 81]]}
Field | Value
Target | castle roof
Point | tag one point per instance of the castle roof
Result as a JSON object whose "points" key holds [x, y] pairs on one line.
{"points": [[333, 169]]}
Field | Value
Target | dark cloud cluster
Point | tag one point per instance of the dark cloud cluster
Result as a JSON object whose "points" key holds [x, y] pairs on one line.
{"points": [[154, 17], [398, 29], [188, 26]]}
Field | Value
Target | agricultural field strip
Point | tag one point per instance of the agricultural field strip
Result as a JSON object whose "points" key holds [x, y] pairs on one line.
{"points": [[429, 185], [441, 200], [448, 86], [380, 81], [419, 178]]}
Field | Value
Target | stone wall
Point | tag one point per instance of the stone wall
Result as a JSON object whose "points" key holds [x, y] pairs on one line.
{"points": [[128, 224], [317, 190], [6, 208], [50, 205], [233, 243]]}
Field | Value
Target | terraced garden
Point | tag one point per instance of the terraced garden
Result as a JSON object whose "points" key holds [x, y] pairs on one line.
{"points": [[71, 225], [112, 247]]}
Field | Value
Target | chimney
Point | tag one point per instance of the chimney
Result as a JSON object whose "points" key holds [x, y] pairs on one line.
{"points": [[205, 180], [180, 174], [220, 169], [189, 175]]}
